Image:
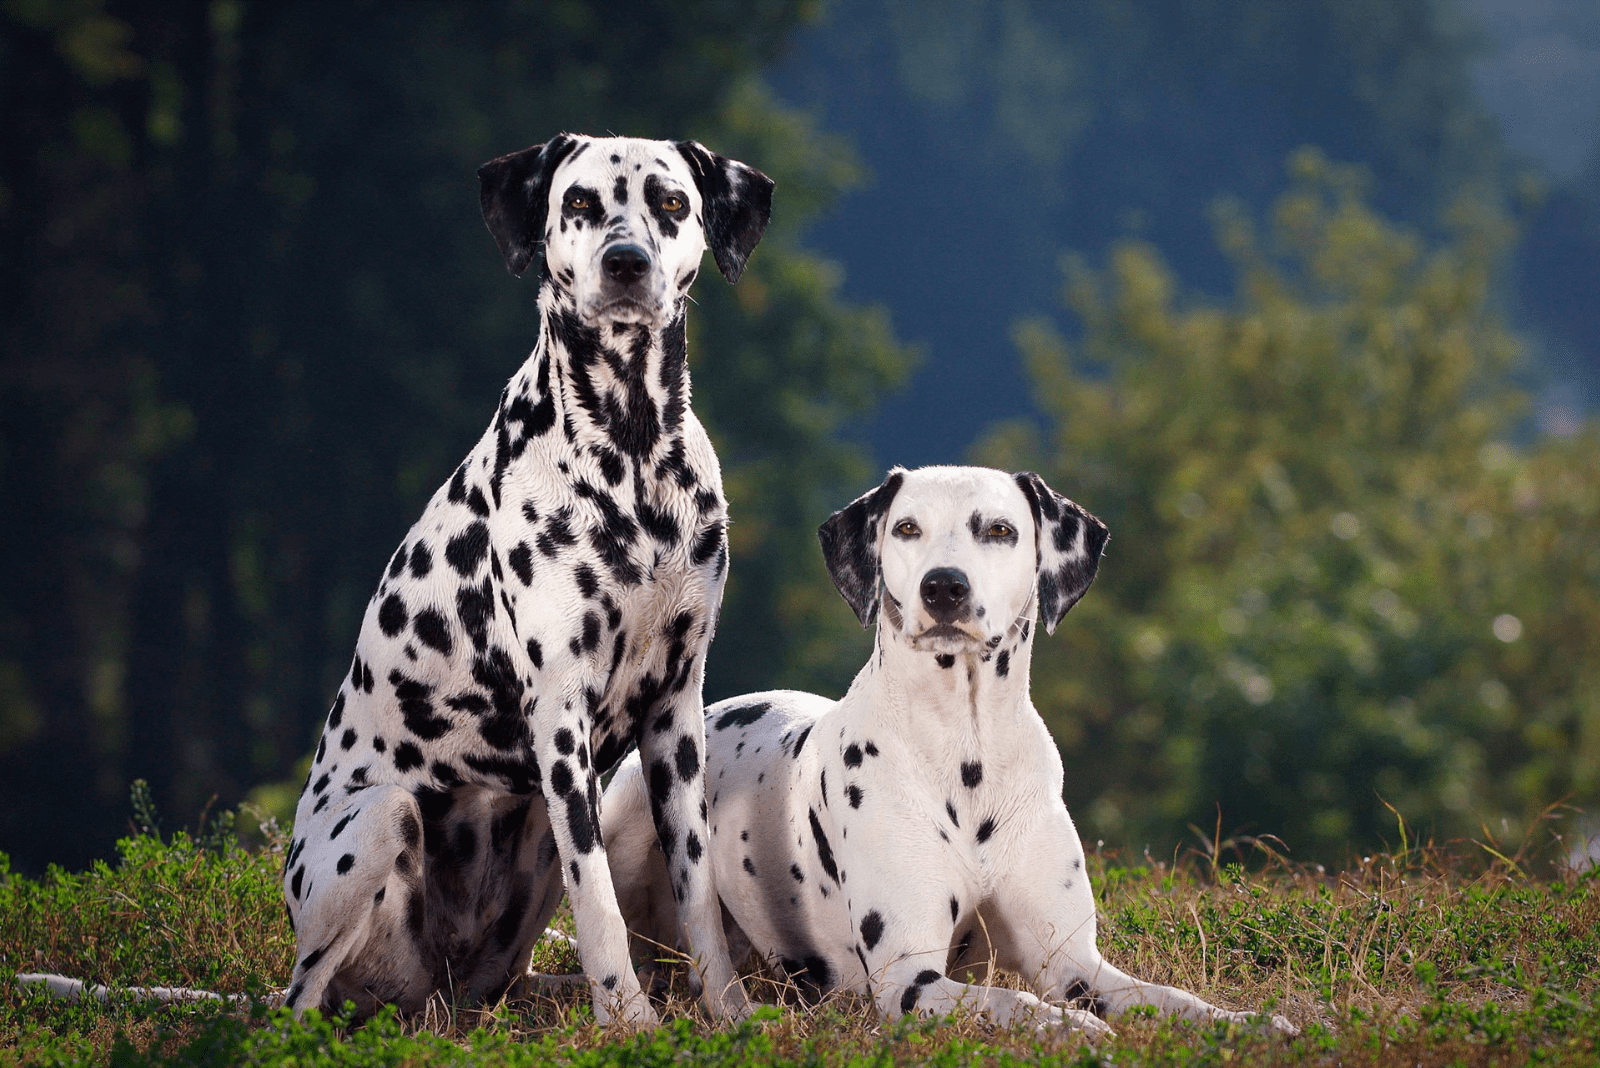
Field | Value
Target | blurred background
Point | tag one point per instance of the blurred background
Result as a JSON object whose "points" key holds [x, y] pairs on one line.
{"points": [[1301, 296]]}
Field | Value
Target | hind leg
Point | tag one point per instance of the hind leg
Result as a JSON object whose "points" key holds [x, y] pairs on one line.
{"points": [[353, 883]]}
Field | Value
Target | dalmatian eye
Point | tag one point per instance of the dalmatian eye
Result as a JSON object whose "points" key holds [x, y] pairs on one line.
{"points": [[906, 528], [999, 530], [672, 204], [577, 202]]}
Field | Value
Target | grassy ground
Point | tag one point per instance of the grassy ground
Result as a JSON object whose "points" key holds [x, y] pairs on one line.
{"points": [[1407, 959]]}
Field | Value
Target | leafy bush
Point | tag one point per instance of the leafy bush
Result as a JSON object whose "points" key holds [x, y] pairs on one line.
{"points": [[1344, 573]]}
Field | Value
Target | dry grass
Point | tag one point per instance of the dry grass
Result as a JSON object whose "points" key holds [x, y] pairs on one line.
{"points": [[1413, 957]]}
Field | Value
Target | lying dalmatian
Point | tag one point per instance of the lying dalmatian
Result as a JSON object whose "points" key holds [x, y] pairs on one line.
{"points": [[549, 611], [912, 831]]}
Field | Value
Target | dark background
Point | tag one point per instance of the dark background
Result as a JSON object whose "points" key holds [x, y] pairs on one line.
{"points": [[250, 318]]}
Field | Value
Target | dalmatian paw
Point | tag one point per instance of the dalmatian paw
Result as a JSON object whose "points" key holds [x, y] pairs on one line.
{"points": [[1261, 1020], [733, 1005], [633, 1013], [1092, 1027]]}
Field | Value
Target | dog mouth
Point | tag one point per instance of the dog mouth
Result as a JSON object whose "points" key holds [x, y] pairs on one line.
{"points": [[947, 638], [628, 309]]}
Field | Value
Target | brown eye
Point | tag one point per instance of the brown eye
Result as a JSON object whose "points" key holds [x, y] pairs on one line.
{"points": [[577, 202], [672, 204], [1000, 530], [906, 529]]}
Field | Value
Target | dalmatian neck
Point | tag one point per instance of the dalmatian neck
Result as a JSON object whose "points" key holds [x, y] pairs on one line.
{"points": [[618, 391], [981, 694]]}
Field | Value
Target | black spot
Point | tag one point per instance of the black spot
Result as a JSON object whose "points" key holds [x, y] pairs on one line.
{"points": [[392, 615], [707, 544], [660, 785], [800, 741], [971, 774], [466, 550], [561, 778], [742, 716], [871, 928], [950, 808], [349, 738], [398, 564], [565, 743], [379, 744], [985, 829], [688, 758], [322, 749], [336, 714], [692, 847], [799, 876], [854, 793], [824, 850], [407, 756], [871, 750], [377, 899], [322, 784], [432, 630], [294, 884], [1002, 663], [521, 560], [578, 823], [475, 607], [584, 576], [337, 827], [421, 560], [955, 909], [852, 756], [417, 707], [345, 863], [536, 654], [749, 866], [476, 502]]}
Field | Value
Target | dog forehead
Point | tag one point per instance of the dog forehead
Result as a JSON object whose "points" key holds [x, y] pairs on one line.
{"points": [[950, 495], [600, 161]]}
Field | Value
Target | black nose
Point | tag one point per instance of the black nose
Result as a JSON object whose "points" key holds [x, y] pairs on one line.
{"points": [[625, 263], [947, 594]]}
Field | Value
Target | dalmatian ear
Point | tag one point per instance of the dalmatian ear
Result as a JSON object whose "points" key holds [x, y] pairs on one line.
{"points": [[514, 192], [1069, 543], [850, 540], [737, 202]]}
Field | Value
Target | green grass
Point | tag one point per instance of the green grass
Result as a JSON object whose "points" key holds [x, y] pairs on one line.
{"points": [[1408, 959]]}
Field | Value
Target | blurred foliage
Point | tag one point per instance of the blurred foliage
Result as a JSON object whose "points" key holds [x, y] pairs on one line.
{"points": [[1341, 573], [250, 318]]}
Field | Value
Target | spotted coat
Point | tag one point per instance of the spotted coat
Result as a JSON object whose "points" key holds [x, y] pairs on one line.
{"points": [[908, 836], [548, 612]]}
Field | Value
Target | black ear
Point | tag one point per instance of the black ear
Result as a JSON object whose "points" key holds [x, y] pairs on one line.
{"points": [[1069, 543], [737, 202], [850, 540], [514, 192]]}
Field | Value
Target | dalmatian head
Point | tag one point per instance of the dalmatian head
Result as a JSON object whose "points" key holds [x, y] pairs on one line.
{"points": [[622, 222], [959, 555]]}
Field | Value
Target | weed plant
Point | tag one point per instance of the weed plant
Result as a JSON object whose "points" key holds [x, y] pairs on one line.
{"points": [[1423, 956]]}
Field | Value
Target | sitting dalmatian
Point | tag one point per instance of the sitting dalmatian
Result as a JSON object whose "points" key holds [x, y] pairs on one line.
{"points": [[913, 831], [549, 612]]}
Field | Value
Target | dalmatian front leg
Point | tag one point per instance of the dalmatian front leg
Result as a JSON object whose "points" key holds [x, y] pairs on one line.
{"points": [[671, 751], [571, 789], [1049, 910], [903, 936]]}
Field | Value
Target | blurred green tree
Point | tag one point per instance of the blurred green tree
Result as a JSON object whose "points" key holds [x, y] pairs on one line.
{"points": [[1341, 572], [250, 319]]}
